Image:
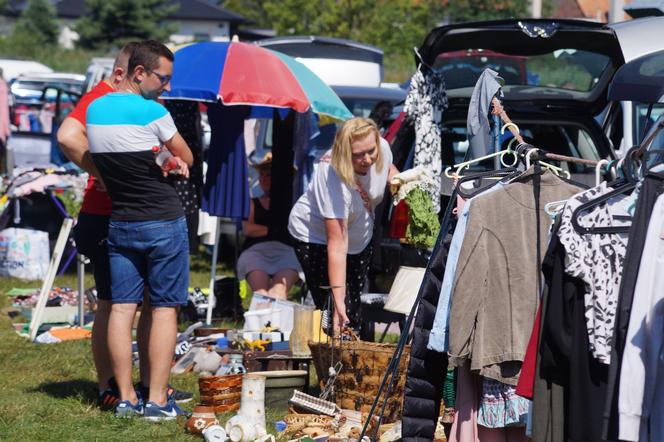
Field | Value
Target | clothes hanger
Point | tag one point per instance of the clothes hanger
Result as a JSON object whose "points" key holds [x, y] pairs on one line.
{"points": [[555, 169], [466, 164], [627, 187], [598, 171], [502, 154], [555, 207], [500, 173]]}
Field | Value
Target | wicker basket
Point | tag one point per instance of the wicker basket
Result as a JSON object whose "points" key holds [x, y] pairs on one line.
{"points": [[221, 392], [363, 367]]}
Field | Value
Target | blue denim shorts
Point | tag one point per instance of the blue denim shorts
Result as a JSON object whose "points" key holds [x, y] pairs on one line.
{"points": [[156, 252]]}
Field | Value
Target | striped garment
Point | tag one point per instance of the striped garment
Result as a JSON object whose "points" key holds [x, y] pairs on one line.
{"points": [[122, 128]]}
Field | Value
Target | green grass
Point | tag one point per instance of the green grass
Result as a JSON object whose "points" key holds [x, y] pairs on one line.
{"points": [[48, 391]]}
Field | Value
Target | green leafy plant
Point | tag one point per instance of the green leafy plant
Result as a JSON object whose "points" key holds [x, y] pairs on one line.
{"points": [[423, 224]]}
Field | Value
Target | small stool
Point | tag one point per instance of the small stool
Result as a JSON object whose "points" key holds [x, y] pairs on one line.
{"points": [[373, 312]]}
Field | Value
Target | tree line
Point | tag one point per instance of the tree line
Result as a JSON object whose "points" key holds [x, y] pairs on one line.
{"points": [[396, 26]]}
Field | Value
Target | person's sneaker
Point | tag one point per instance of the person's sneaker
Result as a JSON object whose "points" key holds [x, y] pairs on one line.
{"points": [[178, 396], [126, 409], [154, 412], [108, 399]]}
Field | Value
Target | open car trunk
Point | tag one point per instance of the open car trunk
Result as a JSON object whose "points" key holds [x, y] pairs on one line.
{"points": [[553, 64]]}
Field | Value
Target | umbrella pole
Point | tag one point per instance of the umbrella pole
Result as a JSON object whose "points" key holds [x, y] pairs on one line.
{"points": [[212, 300]]}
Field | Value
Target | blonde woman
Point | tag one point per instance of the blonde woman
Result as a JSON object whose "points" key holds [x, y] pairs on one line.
{"points": [[332, 222]]}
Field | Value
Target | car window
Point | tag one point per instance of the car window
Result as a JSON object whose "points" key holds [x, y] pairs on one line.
{"points": [[568, 69], [360, 107], [641, 122]]}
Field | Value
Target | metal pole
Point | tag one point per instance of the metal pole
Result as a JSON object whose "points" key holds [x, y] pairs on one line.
{"points": [[80, 270], [616, 12], [213, 273], [496, 141], [536, 8]]}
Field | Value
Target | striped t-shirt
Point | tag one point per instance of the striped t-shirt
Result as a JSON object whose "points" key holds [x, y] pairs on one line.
{"points": [[122, 128]]}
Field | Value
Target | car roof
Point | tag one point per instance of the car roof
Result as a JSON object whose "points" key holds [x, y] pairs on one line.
{"points": [[314, 39], [380, 93], [640, 80], [52, 76], [631, 35], [12, 68]]}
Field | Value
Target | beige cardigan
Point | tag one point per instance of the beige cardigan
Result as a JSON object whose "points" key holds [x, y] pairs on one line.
{"points": [[495, 293]]}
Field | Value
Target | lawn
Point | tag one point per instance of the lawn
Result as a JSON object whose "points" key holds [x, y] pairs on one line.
{"points": [[48, 391]]}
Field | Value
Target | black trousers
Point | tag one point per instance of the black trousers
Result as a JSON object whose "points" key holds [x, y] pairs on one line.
{"points": [[313, 259]]}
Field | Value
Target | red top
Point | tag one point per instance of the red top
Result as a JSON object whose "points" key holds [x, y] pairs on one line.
{"points": [[526, 383], [95, 201]]}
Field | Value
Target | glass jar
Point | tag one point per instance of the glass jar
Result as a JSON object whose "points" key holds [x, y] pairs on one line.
{"points": [[303, 326]]}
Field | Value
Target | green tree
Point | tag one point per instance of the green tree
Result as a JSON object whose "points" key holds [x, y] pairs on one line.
{"points": [[252, 9], [396, 26], [116, 22], [477, 10], [37, 25]]}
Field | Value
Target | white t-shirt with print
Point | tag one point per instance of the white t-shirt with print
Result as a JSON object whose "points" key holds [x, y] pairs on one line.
{"points": [[327, 197]]}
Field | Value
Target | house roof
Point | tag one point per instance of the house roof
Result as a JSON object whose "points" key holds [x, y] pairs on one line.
{"points": [[594, 9], [567, 9], [187, 10]]}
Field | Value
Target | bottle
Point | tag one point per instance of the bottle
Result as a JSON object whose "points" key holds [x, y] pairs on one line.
{"points": [[165, 160], [236, 364]]}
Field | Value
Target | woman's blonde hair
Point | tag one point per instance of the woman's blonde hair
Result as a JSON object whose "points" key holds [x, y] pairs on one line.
{"points": [[342, 152]]}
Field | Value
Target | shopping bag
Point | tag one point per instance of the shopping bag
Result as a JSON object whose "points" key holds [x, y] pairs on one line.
{"points": [[24, 253]]}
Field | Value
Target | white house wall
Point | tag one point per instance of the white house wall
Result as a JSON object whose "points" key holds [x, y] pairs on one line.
{"points": [[190, 30]]}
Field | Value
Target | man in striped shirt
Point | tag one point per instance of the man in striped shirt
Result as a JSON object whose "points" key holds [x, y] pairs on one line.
{"points": [[148, 240]]}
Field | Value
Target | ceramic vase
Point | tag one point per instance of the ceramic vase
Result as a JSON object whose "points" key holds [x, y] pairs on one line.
{"points": [[201, 418], [249, 423]]}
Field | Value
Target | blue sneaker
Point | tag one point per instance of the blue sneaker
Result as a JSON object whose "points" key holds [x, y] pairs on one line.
{"points": [[126, 409], [154, 412]]}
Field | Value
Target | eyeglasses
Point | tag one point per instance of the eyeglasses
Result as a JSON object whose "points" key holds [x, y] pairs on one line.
{"points": [[163, 79]]}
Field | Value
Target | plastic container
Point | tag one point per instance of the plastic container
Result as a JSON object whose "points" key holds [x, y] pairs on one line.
{"points": [[264, 316], [275, 318], [165, 160], [252, 320], [222, 342], [286, 315]]}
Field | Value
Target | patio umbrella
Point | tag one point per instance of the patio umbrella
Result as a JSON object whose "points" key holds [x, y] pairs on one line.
{"points": [[242, 75], [245, 74]]}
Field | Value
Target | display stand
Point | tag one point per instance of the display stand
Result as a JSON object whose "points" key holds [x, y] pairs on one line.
{"points": [[56, 257]]}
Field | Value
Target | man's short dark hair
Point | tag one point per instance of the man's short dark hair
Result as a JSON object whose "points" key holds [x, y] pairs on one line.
{"points": [[147, 54], [125, 53]]}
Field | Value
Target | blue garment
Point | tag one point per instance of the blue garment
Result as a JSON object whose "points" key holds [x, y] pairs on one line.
{"points": [[226, 189], [156, 252], [439, 336]]}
